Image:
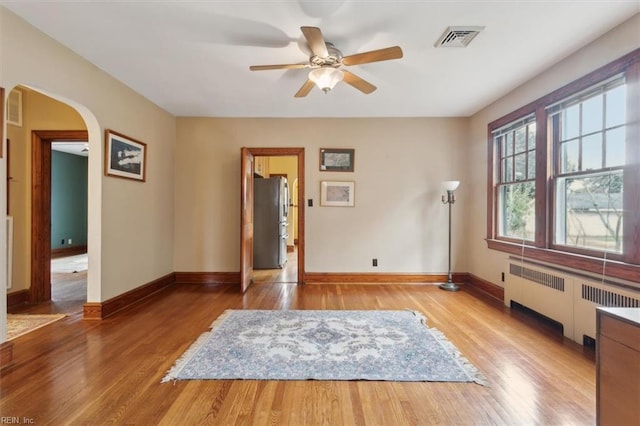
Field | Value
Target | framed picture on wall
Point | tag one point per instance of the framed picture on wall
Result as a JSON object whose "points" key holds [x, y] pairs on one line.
{"points": [[336, 160], [337, 194], [125, 157]]}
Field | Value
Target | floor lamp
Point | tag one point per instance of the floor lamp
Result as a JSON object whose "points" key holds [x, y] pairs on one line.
{"points": [[450, 198]]}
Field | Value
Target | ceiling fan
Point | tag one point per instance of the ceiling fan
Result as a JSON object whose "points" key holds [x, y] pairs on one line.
{"points": [[327, 64]]}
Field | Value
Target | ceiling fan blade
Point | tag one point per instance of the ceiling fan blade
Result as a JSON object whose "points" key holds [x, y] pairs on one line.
{"points": [[386, 54], [278, 67], [316, 41], [305, 89], [360, 84]]}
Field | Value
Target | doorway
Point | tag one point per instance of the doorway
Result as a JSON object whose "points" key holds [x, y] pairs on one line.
{"points": [[252, 162], [269, 248], [31, 193], [41, 217]]}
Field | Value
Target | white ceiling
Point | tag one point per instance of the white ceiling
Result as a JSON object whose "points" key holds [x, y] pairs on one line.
{"points": [[192, 58], [76, 147]]}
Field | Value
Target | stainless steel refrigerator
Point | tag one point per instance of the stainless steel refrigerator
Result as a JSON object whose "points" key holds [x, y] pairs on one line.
{"points": [[270, 210]]}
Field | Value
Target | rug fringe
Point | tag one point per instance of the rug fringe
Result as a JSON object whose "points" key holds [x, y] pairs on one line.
{"points": [[474, 374], [422, 317], [180, 363]]}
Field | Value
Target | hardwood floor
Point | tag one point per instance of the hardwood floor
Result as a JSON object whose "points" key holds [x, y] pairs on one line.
{"points": [[287, 274], [68, 288], [98, 372]]}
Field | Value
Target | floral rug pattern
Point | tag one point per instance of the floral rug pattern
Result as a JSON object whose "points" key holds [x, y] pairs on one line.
{"points": [[323, 345]]}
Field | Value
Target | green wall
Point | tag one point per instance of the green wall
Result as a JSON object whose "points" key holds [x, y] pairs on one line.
{"points": [[68, 200]]}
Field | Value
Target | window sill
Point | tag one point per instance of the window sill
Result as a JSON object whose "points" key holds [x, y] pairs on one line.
{"points": [[614, 269]]}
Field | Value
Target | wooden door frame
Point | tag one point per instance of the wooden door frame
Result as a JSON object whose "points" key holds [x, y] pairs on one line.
{"points": [[41, 140], [299, 154], [247, 168]]}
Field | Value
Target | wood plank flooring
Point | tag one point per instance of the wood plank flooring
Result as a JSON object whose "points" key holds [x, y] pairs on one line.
{"points": [[83, 372]]}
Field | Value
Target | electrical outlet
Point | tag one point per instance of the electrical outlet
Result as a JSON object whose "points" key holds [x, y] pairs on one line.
{"points": [[62, 241], [374, 262], [502, 276], [310, 202], [69, 241]]}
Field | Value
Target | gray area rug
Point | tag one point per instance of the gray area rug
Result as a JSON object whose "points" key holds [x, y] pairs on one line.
{"points": [[323, 345]]}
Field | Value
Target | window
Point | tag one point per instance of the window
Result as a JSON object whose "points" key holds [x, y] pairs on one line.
{"points": [[588, 133], [564, 174], [516, 145]]}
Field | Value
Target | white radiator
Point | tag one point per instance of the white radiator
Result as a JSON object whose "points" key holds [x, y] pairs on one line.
{"points": [[9, 250], [591, 294], [564, 297]]}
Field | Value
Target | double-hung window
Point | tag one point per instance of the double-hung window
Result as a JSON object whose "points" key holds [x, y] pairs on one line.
{"points": [[516, 150], [588, 136], [564, 174]]}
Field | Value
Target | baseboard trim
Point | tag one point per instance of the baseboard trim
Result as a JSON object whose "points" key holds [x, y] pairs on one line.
{"points": [[17, 298], [207, 277], [68, 251], [6, 353], [101, 310], [487, 287], [379, 278]]}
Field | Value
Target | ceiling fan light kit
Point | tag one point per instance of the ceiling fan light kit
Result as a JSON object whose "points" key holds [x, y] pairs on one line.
{"points": [[327, 64], [326, 77]]}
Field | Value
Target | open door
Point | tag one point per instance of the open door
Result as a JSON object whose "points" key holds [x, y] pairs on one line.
{"points": [[246, 220]]}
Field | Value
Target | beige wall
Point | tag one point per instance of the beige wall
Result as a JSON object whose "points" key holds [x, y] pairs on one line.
{"points": [[398, 217], [485, 263], [130, 223], [39, 113]]}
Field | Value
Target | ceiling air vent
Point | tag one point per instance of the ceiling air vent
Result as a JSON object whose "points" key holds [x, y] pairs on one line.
{"points": [[458, 36]]}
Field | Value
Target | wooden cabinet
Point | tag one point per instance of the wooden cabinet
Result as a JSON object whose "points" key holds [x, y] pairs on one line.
{"points": [[618, 366]]}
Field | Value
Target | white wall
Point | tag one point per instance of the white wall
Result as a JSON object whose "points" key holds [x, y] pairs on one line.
{"points": [[486, 263], [398, 217], [130, 223]]}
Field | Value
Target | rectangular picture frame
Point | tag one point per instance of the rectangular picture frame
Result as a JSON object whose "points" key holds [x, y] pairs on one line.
{"points": [[337, 159], [125, 157], [337, 193]]}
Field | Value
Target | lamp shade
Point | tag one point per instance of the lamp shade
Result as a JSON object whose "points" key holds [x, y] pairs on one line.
{"points": [[326, 77], [451, 185]]}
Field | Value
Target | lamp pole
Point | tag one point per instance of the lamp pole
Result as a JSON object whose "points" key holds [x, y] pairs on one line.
{"points": [[450, 186]]}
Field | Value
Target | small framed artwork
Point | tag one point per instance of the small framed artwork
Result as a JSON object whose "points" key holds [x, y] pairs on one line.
{"points": [[337, 194], [125, 157], [336, 160]]}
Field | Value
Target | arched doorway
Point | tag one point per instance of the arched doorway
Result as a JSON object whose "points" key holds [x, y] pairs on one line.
{"points": [[39, 136]]}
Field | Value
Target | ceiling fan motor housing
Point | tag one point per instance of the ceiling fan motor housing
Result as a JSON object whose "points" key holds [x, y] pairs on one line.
{"points": [[333, 59]]}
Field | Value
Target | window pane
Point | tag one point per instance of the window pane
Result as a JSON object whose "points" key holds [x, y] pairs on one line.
{"points": [[589, 213], [532, 165], [569, 157], [517, 211], [592, 152], [616, 106], [508, 170], [571, 122], [615, 147], [520, 166], [531, 134], [499, 142], [521, 142], [592, 115], [508, 144]]}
